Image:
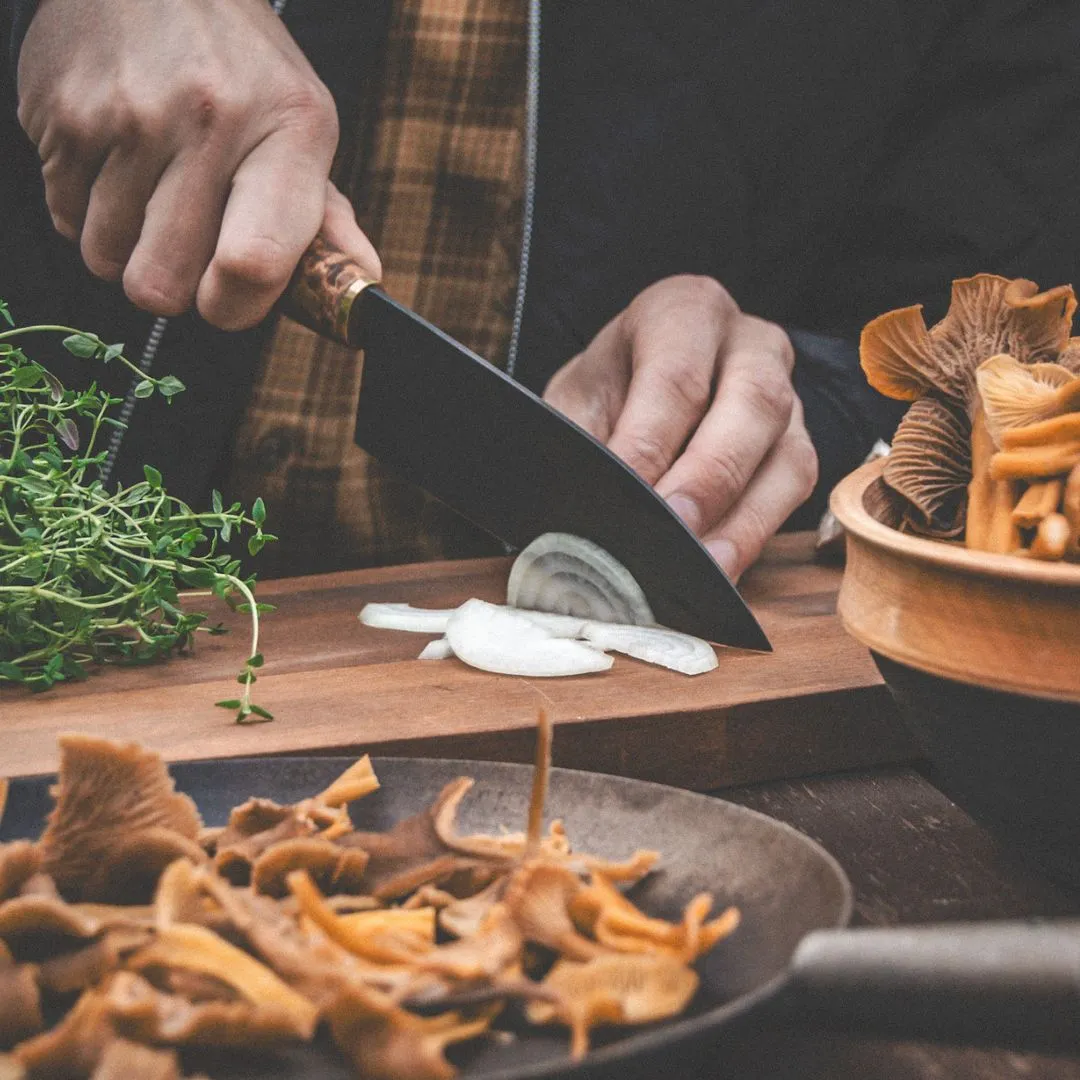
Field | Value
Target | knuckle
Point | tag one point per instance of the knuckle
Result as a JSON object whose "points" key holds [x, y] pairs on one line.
{"points": [[648, 455], [706, 292], [725, 476], [307, 104], [98, 260], [259, 262], [775, 340], [158, 295], [62, 223], [770, 394], [804, 463], [154, 288]]}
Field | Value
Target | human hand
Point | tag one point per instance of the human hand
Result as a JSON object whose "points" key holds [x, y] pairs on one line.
{"points": [[697, 397], [186, 146]]}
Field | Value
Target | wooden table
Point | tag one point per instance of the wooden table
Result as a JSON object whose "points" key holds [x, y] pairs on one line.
{"points": [[770, 731]]}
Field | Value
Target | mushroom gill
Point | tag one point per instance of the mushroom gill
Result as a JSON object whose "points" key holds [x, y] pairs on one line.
{"points": [[140, 1011], [105, 794], [930, 465], [1016, 395], [194, 948], [385, 1042], [620, 988]]}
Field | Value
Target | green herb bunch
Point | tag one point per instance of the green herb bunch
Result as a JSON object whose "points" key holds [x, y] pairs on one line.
{"points": [[91, 576]]}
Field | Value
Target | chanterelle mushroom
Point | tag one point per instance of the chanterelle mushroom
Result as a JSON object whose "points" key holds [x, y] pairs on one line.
{"points": [[106, 794], [988, 315]]}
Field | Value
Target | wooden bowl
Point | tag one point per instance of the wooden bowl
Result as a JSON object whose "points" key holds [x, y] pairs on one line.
{"points": [[982, 655]]}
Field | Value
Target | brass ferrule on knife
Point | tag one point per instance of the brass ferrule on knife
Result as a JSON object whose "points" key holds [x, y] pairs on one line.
{"points": [[323, 289]]}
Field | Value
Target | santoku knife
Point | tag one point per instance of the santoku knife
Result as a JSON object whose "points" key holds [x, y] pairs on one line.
{"points": [[470, 435]]}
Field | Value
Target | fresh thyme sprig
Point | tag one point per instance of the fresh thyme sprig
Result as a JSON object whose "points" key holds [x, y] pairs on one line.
{"points": [[88, 575]]}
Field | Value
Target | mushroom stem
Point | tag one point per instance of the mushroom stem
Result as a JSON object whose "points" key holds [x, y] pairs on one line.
{"points": [[981, 489], [1070, 500], [1058, 429], [1040, 499], [1035, 461], [1003, 534], [1052, 539]]}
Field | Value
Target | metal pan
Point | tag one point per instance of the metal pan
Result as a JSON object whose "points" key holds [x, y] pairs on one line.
{"points": [[999, 983]]}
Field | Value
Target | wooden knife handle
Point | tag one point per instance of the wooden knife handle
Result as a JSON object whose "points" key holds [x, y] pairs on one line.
{"points": [[322, 290]]}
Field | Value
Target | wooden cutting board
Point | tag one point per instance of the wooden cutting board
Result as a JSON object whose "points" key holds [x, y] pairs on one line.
{"points": [[816, 703]]}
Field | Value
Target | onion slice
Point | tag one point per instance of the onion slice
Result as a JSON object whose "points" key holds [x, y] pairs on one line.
{"points": [[439, 649], [568, 575], [505, 642], [655, 645], [406, 617]]}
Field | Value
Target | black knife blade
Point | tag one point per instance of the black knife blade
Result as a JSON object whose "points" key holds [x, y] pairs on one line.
{"points": [[464, 431]]}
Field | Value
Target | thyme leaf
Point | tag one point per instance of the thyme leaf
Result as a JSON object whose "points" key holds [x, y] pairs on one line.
{"points": [[92, 576]]}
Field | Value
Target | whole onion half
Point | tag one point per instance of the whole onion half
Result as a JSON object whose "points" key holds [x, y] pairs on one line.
{"points": [[565, 574]]}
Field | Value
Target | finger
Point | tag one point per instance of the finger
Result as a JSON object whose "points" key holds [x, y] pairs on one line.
{"points": [[750, 412], [675, 338], [341, 229], [784, 481], [69, 175], [274, 210], [116, 207], [591, 388], [180, 229]]}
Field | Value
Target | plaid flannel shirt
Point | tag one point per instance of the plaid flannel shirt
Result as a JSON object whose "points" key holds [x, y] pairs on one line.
{"points": [[433, 164]]}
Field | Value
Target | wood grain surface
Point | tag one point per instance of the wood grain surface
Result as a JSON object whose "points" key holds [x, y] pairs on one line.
{"points": [[815, 703]]}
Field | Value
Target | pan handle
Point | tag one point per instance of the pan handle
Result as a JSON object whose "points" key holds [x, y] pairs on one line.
{"points": [[1008, 984], [322, 290]]}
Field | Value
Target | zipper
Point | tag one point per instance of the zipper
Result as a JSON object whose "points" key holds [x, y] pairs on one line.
{"points": [[532, 124], [146, 362]]}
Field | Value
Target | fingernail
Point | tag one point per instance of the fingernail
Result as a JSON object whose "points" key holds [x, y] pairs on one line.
{"points": [[723, 551], [687, 509]]}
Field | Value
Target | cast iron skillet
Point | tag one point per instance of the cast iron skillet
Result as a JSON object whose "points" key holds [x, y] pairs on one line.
{"points": [[1003, 983]]}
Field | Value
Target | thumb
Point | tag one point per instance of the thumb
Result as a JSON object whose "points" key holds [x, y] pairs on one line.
{"points": [[340, 229]]}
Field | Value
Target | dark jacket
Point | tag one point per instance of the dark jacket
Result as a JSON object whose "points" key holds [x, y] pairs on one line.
{"points": [[825, 159]]}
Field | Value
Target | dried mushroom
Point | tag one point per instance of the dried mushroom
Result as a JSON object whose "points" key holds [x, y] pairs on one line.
{"points": [[385, 1042], [614, 989], [106, 795], [335, 869], [123, 1060], [20, 1005], [404, 942]]}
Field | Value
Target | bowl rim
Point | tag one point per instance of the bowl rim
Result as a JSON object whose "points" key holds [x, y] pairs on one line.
{"points": [[846, 503]]}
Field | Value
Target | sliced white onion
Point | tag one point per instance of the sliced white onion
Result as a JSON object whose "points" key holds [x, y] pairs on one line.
{"points": [[568, 575], [439, 649], [655, 645], [495, 639], [406, 617], [560, 626]]}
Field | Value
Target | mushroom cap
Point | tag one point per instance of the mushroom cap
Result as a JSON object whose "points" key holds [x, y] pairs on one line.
{"points": [[987, 315]]}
